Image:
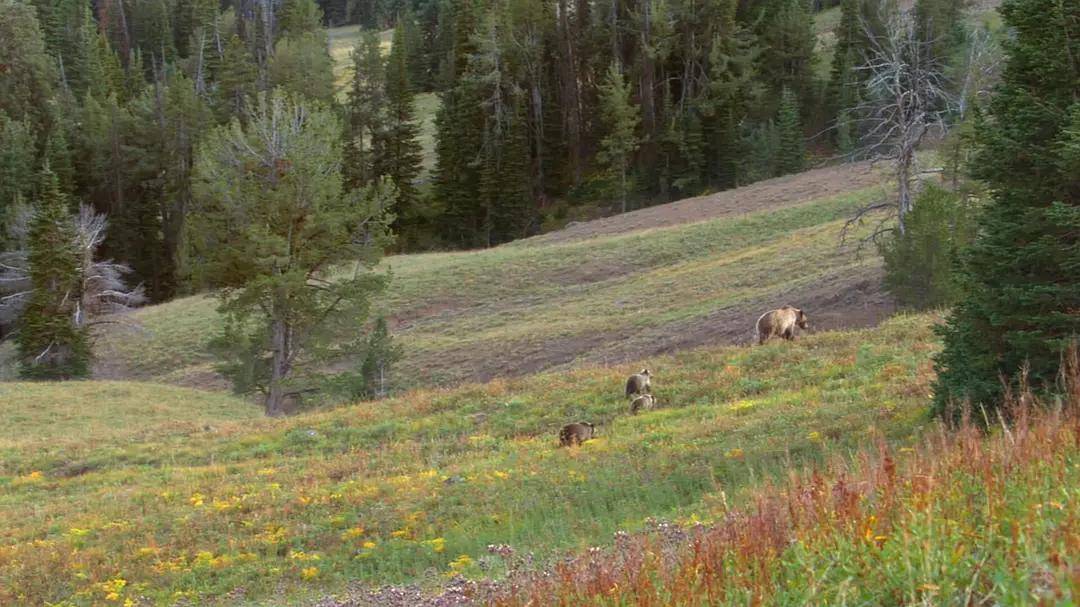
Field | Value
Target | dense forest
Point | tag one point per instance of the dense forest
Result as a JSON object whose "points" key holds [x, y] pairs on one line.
{"points": [[544, 104]]}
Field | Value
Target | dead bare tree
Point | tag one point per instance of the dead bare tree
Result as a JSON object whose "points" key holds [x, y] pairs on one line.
{"points": [[905, 97], [105, 295]]}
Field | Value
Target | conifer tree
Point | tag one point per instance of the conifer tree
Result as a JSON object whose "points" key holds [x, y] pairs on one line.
{"points": [[380, 354], [365, 110], [621, 119], [302, 65], [272, 224], [16, 170], [788, 42], [397, 151], [237, 79], [299, 17], [459, 132], [52, 341], [26, 83], [1022, 289], [791, 155]]}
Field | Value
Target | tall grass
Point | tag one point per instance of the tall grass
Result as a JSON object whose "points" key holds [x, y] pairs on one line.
{"points": [[962, 519]]}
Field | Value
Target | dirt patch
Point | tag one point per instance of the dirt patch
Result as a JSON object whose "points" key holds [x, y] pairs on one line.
{"points": [[842, 301], [780, 192]]}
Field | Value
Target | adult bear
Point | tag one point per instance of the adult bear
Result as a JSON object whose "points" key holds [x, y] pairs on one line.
{"points": [[780, 323]]}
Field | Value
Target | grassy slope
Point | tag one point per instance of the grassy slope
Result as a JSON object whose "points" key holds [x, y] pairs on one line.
{"points": [[397, 490], [963, 519], [528, 307]]}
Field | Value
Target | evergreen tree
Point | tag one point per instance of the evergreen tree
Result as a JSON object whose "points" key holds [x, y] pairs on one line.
{"points": [[52, 341], [26, 82], [1021, 285], [16, 171], [621, 119], [791, 155], [299, 17], [380, 354], [845, 79], [397, 151], [302, 65], [365, 110], [271, 225], [788, 41], [459, 128], [236, 80]]}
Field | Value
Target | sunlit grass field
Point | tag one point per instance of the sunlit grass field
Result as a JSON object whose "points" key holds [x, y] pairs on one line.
{"points": [[415, 488]]}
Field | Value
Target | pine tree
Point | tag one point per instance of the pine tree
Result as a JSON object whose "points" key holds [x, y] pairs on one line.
{"points": [[290, 224], [397, 151], [299, 17], [1022, 288], [788, 41], [380, 354], [16, 170], [52, 342], [26, 82], [621, 119], [459, 128], [844, 80], [236, 80], [302, 65], [365, 110], [791, 155]]}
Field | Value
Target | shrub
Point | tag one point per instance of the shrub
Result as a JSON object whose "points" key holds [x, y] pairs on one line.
{"points": [[921, 263]]}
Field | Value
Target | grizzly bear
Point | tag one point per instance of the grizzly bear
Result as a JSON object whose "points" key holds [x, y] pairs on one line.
{"points": [[780, 323], [576, 433], [638, 383], [645, 401]]}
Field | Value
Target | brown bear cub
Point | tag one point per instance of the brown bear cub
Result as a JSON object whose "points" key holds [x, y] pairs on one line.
{"points": [[645, 401], [638, 383], [780, 323], [576, 433]]}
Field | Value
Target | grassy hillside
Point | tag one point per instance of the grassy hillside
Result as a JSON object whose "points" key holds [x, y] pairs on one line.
{"points": [[415, 488], [961, 520], [690, 273]]}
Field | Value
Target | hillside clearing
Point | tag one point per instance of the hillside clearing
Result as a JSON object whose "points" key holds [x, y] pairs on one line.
{"points": [[396, 491], [688, 273]]}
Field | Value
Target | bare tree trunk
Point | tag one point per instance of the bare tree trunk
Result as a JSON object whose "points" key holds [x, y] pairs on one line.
{"points": [[280, 363], [570, 89], [647, 86]]}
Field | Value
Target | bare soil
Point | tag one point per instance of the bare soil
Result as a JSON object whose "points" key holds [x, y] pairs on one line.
{"points": [[780, 192]]}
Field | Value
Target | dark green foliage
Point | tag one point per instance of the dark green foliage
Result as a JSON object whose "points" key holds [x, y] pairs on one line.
{"points": [[236, 78], [16, 170], [921, 264], [302, 66], [299, 17], [27, 77], [621, 120], [1020, 277], [365, 111], [787, 41], [397, 151], [791, 153], [271, 224], [52, 341], [379, 357]]}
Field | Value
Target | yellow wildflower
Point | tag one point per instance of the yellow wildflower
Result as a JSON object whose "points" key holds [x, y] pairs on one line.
{"points": [[310, 573]]}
